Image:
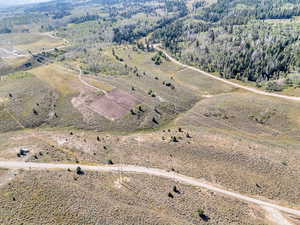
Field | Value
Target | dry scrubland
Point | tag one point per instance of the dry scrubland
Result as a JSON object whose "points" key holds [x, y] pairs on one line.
{"points": [[67, 198], [233, 161], [204, 129], [248, 113], [10, 65]]}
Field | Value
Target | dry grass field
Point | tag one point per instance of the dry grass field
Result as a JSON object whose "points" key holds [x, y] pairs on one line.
{"points": [[65, 82], [34, 42]]}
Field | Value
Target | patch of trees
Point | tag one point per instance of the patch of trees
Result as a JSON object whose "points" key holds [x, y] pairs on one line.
{"points": [[132, 32], [273, 86], [145, 47], [116, 56], [169, 34], [175, 6], [133, 10], [247, 55], [158, 58], [60, 14], [199, 4], [5, 30], [85, 18]]}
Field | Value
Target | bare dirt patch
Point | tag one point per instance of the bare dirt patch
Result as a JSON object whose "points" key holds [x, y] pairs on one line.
{"points": [[114, 105], [6, 53], [3, 100]]}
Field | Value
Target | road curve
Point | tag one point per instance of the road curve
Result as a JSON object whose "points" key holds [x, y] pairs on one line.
{"points": [[86, 83], [254, 90], [150, 171]]}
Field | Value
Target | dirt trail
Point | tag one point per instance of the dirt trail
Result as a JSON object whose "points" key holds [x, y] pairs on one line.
{"points": [[254, 90], [160, 173], [66, 43], [87, 84], [276, 216]]}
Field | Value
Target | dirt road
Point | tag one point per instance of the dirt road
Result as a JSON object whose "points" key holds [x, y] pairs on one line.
{"points": [[160, 173], [276, 217]]}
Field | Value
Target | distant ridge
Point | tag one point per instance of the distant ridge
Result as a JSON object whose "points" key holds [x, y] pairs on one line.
{"points": [[5, 3]]}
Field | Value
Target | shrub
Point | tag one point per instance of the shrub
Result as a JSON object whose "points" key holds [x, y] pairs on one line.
{"points": [[79, 171], [273, 86], [201, 214]]}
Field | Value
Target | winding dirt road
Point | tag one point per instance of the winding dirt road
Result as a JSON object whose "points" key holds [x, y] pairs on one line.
{"points": [[254, 90], [155, 172]]}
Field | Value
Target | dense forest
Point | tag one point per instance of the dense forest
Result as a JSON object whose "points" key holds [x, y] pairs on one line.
{"points": [[241, 11], [134, 31], [246, 40]]}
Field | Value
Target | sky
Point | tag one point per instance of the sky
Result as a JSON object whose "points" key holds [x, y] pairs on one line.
{"points": [[19, 2]]}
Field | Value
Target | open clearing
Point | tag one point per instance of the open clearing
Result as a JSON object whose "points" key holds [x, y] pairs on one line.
{"points": [[22, 43], [63, 81], [10, 53]]}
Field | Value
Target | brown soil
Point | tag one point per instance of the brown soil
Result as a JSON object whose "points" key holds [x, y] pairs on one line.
{"points": [[115, 104]]}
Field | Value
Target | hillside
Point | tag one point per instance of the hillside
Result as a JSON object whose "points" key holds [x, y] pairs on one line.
{"points": [[199, 90]]}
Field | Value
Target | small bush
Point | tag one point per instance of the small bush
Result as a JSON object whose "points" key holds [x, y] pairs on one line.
{"points": [[79, 171], [273, 86]]}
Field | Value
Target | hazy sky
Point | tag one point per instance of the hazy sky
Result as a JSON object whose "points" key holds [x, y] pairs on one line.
{"points": [[19, 2]]}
